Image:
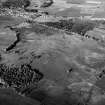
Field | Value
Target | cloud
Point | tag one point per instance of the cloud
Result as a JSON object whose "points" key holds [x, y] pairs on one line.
{"points": [[77, 7], [61, 4], [76, 1], [72, 12], [93, 2]]}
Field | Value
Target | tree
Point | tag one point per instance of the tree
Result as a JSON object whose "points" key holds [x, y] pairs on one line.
{"points": [[81, 27], [16, 3]]}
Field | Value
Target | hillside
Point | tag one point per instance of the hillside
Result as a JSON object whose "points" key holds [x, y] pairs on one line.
{"points": [[50, 60]]}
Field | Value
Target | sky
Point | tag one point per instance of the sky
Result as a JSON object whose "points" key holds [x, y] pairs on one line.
{"points": [[83, 6], [77, 3]]}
